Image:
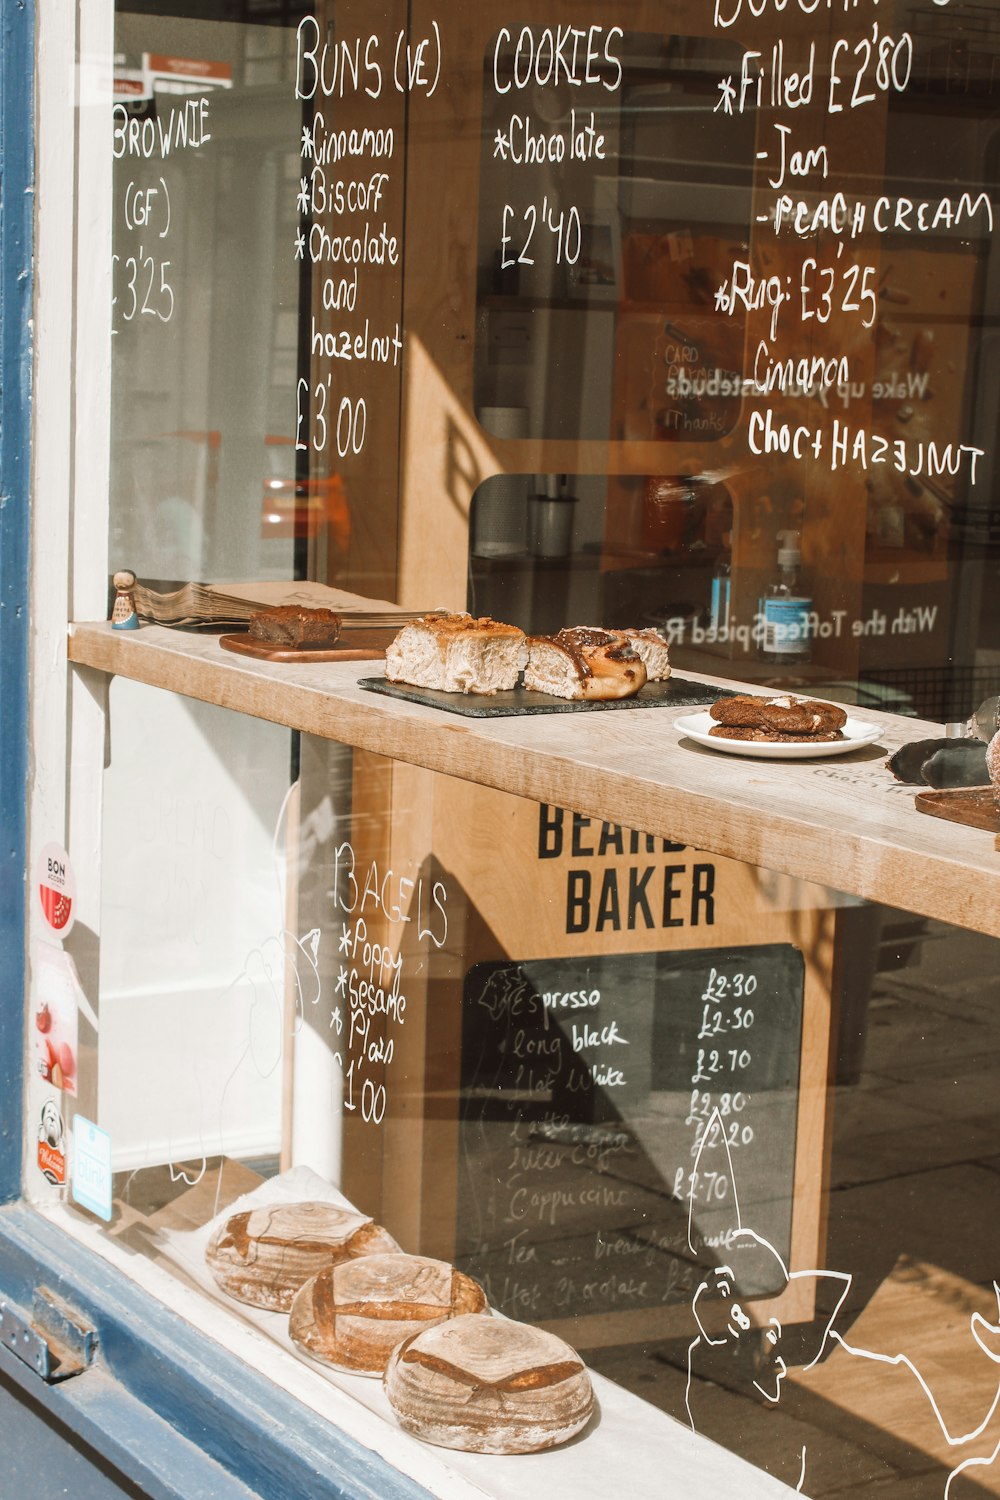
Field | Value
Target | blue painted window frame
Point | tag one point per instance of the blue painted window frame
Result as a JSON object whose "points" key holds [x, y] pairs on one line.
{"points": [[16, 212]]}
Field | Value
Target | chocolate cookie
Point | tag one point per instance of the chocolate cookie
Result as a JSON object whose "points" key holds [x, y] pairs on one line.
{"points": [[795, 717], [773, 736]]}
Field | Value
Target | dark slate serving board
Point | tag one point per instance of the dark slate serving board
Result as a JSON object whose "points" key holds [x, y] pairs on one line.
{"points": [[676, 692]]}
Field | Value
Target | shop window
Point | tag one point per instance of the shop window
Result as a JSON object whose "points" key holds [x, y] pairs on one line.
{"points": [[679, 1045]]}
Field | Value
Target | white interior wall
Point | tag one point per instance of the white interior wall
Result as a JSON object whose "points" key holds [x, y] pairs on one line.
{"points": [[192, 951]]}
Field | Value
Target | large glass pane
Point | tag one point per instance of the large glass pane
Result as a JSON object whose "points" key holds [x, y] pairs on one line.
{"points": [[684, 322]]}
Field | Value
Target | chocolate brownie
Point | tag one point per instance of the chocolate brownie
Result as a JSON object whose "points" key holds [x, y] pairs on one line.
{"points": [[294, 628]]}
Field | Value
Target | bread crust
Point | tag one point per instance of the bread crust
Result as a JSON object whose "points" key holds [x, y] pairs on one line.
{"points": [[353, 1315], [455, 653], [489, 1385], [460, 623], [798, 717], [264, 1255], [653, 650], [584, 662]]}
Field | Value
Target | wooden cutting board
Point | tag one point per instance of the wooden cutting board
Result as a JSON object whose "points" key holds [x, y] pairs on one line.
{"points": [[975, 806], [353, 645]]}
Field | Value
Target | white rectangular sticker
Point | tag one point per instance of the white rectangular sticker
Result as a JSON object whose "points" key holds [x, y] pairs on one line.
{"points": [[92, 1167]]}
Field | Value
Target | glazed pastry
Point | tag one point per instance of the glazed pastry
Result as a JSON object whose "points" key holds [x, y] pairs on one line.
{"points": [[456, 654], [265, 1255], [354, 1314], [489, 1385], [584, 663], [652, 648]]}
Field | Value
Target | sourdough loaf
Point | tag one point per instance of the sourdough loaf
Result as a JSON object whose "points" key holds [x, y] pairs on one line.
{"points": [[353, 1315], [265, 1255], [488, 1385]]}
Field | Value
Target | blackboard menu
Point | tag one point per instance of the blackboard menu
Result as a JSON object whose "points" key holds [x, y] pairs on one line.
{"points": [[621, 1116]]}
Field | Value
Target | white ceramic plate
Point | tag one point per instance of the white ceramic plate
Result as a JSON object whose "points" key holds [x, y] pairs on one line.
{"points": [[857, 732]]}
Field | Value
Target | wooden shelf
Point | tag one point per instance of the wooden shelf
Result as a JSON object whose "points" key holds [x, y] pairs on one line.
{"points": [[844, 822]]}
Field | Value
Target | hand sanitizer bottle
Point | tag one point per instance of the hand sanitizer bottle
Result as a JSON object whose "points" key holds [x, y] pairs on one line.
{"points": [[785, 610], [721, 580]]}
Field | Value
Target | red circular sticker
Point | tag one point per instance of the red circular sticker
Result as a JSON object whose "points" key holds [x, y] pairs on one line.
{"points": [[56, 886]]}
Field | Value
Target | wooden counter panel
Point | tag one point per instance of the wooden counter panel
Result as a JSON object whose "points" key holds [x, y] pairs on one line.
{"points": [[844, 821]]}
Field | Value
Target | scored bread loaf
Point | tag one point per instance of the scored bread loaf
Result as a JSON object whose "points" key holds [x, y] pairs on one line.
{"points": [[584, 662], [353, 1315], [263, 1256], [456, 654], [488, 1385]]}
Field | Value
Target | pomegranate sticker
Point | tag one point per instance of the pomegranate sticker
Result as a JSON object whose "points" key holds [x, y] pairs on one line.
{"points": [[55, 1004], [56, 887]]}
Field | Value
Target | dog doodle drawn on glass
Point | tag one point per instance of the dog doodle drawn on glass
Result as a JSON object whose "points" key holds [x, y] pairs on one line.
{"points": [[732, 1326]]}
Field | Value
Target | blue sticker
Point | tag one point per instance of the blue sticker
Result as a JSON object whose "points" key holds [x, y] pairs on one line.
{"points": [[92, 1167]]}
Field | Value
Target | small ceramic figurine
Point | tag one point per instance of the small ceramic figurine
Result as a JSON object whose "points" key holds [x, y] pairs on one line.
{"points": [[123, 615]]}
